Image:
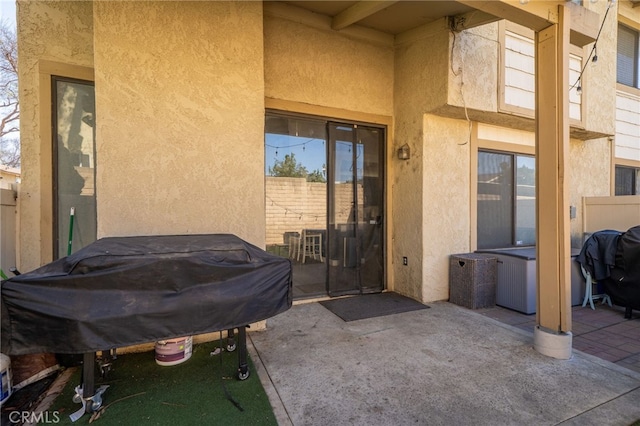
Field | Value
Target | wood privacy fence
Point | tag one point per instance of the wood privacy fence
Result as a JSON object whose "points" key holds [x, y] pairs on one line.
{"points": [[618, 213], [7, 230]]}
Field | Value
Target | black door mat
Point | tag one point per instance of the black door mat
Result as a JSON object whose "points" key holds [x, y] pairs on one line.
{"points": [[371, 305]]}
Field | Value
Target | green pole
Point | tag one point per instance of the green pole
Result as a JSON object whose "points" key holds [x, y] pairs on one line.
{"points": [[71, 215], [2, 275]]}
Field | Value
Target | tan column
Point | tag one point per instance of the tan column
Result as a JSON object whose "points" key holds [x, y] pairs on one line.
{"points": [[552, 334]]}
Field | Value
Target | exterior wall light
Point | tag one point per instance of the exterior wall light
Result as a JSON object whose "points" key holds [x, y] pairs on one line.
{"points": [[404, 153]]}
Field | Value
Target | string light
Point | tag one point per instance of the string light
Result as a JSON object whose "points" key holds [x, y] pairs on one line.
{"points": [[294, 212], [593, 50], [302, 144], [300, 214]]}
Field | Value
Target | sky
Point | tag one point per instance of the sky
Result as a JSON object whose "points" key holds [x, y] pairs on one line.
{"points": [[8, 11]]}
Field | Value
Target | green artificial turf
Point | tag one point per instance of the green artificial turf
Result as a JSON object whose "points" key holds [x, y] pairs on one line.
{"points": [[190, 393]]}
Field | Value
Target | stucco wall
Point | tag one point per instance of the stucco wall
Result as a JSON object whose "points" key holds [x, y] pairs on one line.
{"points": [[589, 176], [322, 67], [600, 77], [50, 31], [446, 193], [473, 74], [419, 87], [180, 118]]}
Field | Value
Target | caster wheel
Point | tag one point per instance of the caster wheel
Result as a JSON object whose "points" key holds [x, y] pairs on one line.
{"points": [[231, 348], [77, 399], [243, 376], [96, 404]]}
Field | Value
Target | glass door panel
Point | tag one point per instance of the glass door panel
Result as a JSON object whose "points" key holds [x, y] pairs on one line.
{"points": [[370, 184], [296, 198], [343, 253], [355, 210]]}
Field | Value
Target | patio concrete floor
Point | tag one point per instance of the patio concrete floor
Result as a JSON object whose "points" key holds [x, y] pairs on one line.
{"points": [[446, 365]]}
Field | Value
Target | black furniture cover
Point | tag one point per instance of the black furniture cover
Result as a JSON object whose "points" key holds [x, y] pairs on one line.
{"points": [[598, 253], [613, 260], [623, 285], [122, 291]]}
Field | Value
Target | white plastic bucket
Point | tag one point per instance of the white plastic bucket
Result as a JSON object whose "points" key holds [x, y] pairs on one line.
{"points": [[174, 351], [5, 375]]}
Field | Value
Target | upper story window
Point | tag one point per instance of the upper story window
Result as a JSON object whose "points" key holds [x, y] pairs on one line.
{"points": [[517, 73], [627, 180], [628, 57]]}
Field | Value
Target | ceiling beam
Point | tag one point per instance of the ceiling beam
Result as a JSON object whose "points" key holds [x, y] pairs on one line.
{"points": [[472, 19], [358, 12], [538, 15]]}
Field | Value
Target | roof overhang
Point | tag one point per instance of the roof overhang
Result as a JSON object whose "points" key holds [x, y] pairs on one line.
{"points": [[394, 17]]}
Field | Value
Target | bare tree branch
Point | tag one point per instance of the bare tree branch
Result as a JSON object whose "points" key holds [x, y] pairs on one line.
{"points": [[10, 152], [9, 103]]}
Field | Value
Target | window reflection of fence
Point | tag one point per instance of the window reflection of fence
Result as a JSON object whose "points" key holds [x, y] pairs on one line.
{"points": [[293, 204]]}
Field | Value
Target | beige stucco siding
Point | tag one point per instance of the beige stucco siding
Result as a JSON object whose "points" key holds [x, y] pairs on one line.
{"points": [[588, 177], [599, 79], [322, 67], [419, 87], [473, 74], [180, 118], [51, 32], [446, 194]]}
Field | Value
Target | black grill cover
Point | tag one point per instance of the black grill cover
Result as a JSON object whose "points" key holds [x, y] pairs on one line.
{"points": [[623, 286], [123, 291]]}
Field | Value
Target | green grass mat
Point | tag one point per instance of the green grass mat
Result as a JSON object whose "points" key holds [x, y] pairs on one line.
{"points": [[191, 393]]}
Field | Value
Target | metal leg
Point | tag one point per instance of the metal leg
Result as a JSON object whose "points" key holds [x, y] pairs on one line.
{"points": [[105, 361], [86, 392], [243, 365], [231, 341], [88, 376]]}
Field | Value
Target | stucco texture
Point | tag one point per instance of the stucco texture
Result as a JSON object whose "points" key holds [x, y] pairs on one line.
{"points": [[319, 67], [473, 75], [417, 89], [589, 176], [446, 193], [180, 104], [600, 77], [51, 31]]}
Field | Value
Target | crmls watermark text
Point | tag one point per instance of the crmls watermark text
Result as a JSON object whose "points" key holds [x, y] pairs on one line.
{"points": [[45, 417]]}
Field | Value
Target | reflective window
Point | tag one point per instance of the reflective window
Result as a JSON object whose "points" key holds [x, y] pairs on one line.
{"points": [[506, 200], [627, 180], [74, 165], [628, 57]]}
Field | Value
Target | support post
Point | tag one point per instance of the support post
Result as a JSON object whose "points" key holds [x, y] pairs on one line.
{"points": [[552, 335]]}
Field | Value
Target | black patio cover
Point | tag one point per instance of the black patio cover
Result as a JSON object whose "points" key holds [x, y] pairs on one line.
{"points": [[122, 291]]}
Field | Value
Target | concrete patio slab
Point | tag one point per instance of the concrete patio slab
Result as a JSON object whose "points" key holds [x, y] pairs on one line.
{"points": [[440, 366]]}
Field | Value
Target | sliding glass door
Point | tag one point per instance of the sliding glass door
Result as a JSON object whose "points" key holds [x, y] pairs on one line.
{"points": [[356, 195], [324, 189]]}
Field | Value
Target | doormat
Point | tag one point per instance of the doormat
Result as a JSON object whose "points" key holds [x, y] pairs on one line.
{"points": [[371, 306]]}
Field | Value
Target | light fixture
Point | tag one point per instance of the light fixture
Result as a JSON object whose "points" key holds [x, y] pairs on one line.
{"points": [[404, 153]]}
